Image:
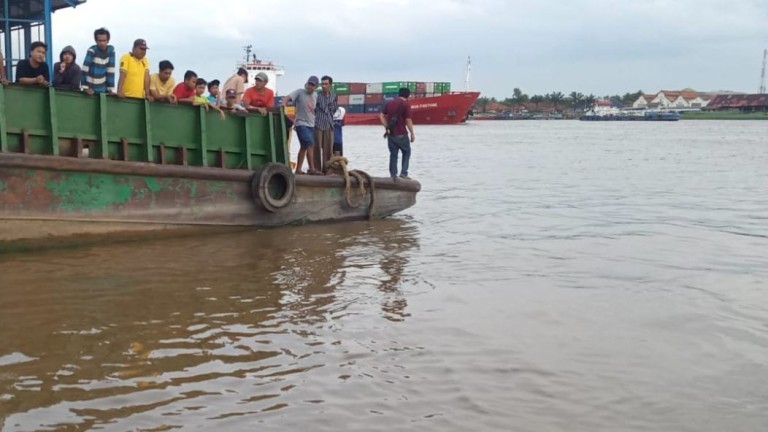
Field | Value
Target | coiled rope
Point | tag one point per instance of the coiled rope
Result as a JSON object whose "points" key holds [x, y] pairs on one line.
{"points": [[362, 177]]}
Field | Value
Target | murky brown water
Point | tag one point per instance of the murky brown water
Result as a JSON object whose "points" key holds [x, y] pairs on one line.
{"points": [[554, 276]]}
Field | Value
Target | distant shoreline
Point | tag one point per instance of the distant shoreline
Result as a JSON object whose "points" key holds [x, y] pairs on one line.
{"points": [[724, 116]]}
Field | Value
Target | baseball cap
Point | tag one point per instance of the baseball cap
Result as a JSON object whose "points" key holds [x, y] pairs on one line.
{"points": [[140, 43], [313, 80], [261, 76]]}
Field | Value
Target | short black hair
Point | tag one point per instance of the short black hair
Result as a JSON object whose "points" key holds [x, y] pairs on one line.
{"points": [[36, 45], [242, 71], [404, 92], [213, 83], [189, 74], [101, 31], [200, 81], [165, 64], [326, 77]]}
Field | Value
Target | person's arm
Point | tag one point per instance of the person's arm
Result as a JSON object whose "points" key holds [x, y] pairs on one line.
{"points": [[409, 125], [147, 93], [111, 73], [216, 107], [3, 78], [121, 83], [87, 64]]}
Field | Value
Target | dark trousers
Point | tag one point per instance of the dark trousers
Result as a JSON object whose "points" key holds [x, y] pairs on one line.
{"points": [[399, 143]]}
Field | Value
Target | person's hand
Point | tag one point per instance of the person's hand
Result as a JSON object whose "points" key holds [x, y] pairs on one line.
{"points": [[121, 94], [262, 111], [413, 137], [172, 99], [62, 67], [40, 80], [89, 91], [150, 98], [3, 81], [222, 115]]}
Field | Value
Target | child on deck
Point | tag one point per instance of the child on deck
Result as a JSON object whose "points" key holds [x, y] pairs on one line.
{"points": [[201, 99], [338, 123]]}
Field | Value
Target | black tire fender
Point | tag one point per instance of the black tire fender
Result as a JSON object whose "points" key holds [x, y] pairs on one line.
{"points": [[273, 186]]}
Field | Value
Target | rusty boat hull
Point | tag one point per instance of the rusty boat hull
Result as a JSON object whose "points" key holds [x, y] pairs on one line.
{"points": [[94, 174]]}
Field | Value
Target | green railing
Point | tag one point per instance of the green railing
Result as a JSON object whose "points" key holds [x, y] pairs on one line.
{"points": [[63, 123]]}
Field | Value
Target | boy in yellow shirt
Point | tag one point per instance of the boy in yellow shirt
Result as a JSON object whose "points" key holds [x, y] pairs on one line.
{"points": [[201, 99]]}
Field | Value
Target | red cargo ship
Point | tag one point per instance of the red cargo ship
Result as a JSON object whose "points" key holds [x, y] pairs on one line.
{"points": [[441, 109]]}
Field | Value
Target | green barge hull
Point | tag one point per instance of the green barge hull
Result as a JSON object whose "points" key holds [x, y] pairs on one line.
{"points": [[73, 164]]}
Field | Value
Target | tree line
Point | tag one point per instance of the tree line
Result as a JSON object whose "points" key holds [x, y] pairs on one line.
{"points": [[556, 100]]}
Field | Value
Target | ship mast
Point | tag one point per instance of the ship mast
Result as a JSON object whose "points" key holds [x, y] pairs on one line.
{"points": [[762, 73], [248, 48], [469, 70]]}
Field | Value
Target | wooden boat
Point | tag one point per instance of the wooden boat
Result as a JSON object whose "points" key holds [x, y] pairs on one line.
{"points": [[73, 164]]}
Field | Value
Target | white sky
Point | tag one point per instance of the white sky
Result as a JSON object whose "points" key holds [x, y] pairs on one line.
{"points": [[541, 46]]}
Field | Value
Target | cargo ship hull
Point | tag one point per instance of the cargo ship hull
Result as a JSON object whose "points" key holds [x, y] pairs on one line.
{"points": [[443, 109]]}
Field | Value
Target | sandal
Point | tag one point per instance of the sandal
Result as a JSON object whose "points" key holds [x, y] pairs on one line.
{"points": [[314, 172]]}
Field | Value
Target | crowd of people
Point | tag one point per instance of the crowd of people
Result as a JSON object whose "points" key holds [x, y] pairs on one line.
{"points": [[318, 119]]}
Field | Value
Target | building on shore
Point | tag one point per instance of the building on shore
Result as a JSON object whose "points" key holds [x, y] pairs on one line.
{"points": [[674, 99], [739, 102]]}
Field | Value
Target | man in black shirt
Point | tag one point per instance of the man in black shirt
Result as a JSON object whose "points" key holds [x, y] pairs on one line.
{"points": [[34, 71]]}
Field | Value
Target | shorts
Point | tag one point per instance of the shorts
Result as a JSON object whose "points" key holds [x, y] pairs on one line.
{"points": [[306, 136]]}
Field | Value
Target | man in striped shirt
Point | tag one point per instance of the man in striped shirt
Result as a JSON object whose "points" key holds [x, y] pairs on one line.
{"points": [[99, 65], [324, 110]]}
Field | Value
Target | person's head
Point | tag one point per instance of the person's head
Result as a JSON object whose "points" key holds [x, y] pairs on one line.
{"points": [[37, 52], [231, 97], [200, 86], [101, 36], [166, 70], [68, 55], [213, 88], [190, 79], [260, 80], [404, 92], [325, 83], [243, 73], [311, 84], [139, 48]]}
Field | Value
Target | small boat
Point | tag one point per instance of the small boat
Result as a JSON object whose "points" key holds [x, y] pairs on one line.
{"points": [[73, 165]]}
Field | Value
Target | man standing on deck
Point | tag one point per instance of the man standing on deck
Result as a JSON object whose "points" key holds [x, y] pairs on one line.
{"points": [[396, 118], [305, 100], [134, 73], [98, 71], [324, 110], [237, 83]]}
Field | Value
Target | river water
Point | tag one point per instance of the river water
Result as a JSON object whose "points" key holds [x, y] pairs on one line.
{"points": [[553, 276]]}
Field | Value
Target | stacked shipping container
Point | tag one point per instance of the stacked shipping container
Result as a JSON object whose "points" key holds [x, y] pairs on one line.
{"points": [[358, 97]]}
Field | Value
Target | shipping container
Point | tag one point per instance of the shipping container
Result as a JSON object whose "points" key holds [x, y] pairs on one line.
{"points": [[374, 98], [374, 88], [356, 99], [418, 95], [429, 95], [357, 88], [446, 87], [374, 108], [390, 95], [421, 87], [355, 109], [342, 99], [410, 86], [429, 87], [340, 88]]}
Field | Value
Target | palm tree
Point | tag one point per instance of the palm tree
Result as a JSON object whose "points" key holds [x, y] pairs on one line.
{"points": [[589, 101], [536, 100], [575, 98], [556, 98], [482, 103]]}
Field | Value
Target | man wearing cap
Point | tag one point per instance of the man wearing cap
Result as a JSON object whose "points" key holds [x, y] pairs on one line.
{"points": [[134, 72], [259, 97], [237, 83], [305, 101], [229, 104]]}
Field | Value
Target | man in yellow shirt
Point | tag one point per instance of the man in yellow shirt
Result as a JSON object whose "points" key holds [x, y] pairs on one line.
{"points": [[161, 84], [134, 72]]}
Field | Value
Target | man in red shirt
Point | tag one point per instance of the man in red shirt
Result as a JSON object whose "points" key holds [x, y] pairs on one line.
{"points": [[185, 91], [396, 119], [259, 97]]}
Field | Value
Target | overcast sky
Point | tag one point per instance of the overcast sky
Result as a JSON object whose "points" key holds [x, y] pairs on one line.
{"points": [[590, 46]]}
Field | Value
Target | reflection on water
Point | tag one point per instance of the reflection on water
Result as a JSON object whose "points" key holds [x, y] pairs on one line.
{"points": [[168, 329]]}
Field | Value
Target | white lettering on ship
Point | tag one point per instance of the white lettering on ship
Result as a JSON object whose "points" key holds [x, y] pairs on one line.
{"points": [[426, 105]]}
